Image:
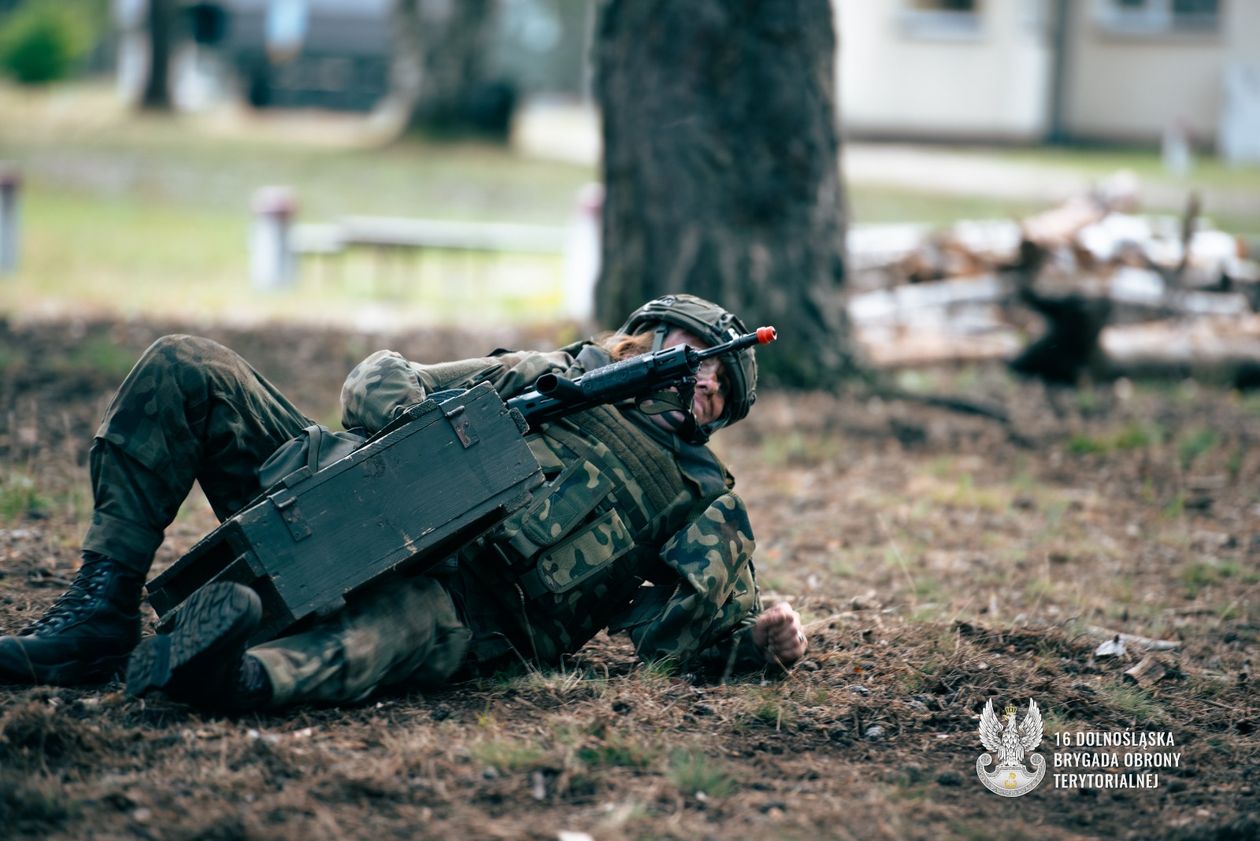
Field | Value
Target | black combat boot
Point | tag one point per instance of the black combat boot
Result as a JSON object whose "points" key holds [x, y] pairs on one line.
{"points": [[202, 661], [86, 635]]}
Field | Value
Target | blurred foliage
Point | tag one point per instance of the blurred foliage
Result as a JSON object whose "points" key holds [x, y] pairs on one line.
{"points": [[44, 40]]}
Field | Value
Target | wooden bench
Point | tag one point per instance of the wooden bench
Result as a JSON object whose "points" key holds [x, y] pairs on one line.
{"points": [[393, 236]]}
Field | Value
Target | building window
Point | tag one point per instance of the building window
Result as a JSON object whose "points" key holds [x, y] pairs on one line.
{"points": [[941, 18], [1145, 17]]}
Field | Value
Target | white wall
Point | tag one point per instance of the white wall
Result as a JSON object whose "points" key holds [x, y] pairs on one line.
{"points": [[991, 83], [1130, 87]]}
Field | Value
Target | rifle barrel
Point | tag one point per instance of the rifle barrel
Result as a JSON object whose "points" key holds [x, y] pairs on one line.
{"points": [[760, 336]]}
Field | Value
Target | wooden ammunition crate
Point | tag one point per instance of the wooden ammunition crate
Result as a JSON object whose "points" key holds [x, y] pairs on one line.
{"points": [[405, 500]]}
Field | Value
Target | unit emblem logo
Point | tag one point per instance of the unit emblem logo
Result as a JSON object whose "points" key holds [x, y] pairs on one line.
{"points": [[1008, 745]]}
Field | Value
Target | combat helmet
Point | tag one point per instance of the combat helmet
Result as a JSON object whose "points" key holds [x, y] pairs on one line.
{"points": [[715, 325]]}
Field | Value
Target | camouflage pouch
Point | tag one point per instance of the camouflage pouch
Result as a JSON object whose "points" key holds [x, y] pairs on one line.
{"points": [[577, 491], [582, 555], [569, 533]]}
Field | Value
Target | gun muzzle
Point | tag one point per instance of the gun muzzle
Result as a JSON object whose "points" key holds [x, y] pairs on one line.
{"points": [[554, 385], [762, 336]]}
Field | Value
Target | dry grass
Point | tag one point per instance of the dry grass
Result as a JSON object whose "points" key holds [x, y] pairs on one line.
{"points": [[934, 575]]}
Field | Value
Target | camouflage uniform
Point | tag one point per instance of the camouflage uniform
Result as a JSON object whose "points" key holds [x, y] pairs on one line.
{"points": [[636, 530], [190, 410]]}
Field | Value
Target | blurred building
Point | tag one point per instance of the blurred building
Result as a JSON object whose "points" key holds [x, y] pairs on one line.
{"points": [[306, 53], [331, 54], [1022, 71], [1034, 70], [339, 54]]}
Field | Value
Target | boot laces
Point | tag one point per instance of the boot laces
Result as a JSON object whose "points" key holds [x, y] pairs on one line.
{"points": [[87, 587]]}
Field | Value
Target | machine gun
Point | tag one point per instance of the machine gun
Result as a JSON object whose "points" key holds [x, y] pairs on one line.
{"points": [[434, 479]]}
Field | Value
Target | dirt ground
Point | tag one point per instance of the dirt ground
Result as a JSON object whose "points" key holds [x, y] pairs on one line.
{"points": [[939, 559]]}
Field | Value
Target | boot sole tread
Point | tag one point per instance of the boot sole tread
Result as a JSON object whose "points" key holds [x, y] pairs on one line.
{"points": [[211, 621]]}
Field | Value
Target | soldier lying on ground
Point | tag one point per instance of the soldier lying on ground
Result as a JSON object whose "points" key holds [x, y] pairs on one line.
{"points": [[672, 567]]}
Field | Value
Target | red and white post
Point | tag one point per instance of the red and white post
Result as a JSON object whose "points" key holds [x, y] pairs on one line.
{"points": [[272, 264], [10, 186]]}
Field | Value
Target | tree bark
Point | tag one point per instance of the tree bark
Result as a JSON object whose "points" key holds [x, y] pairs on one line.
{"points": [[721, 165], [157, 87], [451, 92]]}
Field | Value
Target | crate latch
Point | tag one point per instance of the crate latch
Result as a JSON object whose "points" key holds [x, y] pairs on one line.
{"points": [[459, 422], [285, 502]]}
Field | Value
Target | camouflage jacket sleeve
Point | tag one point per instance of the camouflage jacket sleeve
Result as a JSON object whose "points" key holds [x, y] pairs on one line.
{"points": [[385, 383], [715, 597]]}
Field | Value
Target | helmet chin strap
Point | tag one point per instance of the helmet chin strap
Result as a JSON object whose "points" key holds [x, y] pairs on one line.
{"points": [[659, 334], [667, 403], [662, 402]]}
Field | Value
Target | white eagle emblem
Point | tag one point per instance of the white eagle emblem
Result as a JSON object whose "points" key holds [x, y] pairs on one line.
{"points": [[1008, 745]]}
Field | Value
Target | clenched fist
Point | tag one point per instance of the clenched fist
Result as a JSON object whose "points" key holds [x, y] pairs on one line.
{"points": [[779, 634]]}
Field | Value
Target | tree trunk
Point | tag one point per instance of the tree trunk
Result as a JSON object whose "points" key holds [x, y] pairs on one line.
{"points": [[157, 88], [721, 165], [451, 92]]}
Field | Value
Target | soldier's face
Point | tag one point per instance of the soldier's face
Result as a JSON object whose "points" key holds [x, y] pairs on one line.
{"points": [[710, 399]]}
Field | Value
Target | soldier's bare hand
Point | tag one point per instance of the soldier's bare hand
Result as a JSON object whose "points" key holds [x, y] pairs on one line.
{"points": [[779, 634]]}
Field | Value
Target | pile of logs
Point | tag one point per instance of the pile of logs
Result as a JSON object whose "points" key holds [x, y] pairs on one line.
{"points": [[1118, 294]]}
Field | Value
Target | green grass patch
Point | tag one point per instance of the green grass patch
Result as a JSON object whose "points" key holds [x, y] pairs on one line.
{"points": [[1040, 588], [151, 215], [618, 751], [1197, 576], [694, 773], [12, 359], [1132, 702], [508, 754], [965, 493], [1194, 445], [769, 706], [559, 683], [841, 568], [876, 203], [96, 355], [931, 612], [926, 588], [1146, 163], [1086, 445], [657, 671], [794, 449], [140, 255], [1132, 436], [21, 498], [1136, 436], [1233, 465], [1251, 402]]}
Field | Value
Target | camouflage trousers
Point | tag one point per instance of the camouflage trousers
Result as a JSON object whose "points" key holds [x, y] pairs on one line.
{"points": [[400, 632], [192, 410]]}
